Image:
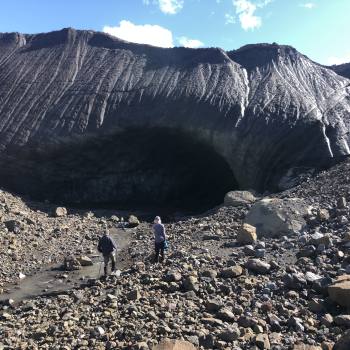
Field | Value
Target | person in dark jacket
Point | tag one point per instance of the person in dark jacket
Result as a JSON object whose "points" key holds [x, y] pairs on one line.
{"points": [[107, 246], [159, 239]]}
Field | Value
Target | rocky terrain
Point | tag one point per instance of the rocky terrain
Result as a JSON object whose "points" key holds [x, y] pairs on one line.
{"points": [[31, 238], [225, 284], [88, 120], [93, 111]]}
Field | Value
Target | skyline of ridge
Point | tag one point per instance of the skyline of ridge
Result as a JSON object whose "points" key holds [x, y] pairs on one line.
{"points": [[257, 44], [308, 25]]}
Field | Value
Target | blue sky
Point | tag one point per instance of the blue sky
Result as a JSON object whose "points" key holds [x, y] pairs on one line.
{"points": [[318, 28]]}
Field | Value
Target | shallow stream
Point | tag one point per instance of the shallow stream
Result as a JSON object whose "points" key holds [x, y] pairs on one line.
{"points": [[53, 279]]}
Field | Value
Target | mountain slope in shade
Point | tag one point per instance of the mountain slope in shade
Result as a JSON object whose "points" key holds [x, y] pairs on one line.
{"points": [[342, 69], [265, 110]]}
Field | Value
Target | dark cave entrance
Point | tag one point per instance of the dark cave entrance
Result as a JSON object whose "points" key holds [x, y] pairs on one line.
{"points": [[136, 169]]}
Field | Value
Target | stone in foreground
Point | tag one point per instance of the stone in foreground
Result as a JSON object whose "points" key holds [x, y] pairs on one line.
{"points": [[339, 291], [168, 344], [258, 266], [246, 234], [231, 272]]}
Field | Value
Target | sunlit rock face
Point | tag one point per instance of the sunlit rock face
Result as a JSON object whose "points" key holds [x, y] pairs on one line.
{"points": [[82, 113]]}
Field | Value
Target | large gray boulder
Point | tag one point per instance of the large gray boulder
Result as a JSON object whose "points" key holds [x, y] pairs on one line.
{"points": [[237, 198], [275, 217]]}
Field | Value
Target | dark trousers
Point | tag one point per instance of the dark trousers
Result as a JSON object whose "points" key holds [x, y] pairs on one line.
{"points": [[159, 248], [106, 259]]}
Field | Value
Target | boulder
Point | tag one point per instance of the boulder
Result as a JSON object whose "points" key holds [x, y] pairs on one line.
{"points": [[141, 346], [231, 272], [60, 211], [246, 321], [85, 261], [8, 302], [327, 345], [262, 341], [346, 238], [341, 203], [342, 320], [343, 343], [238, 198], [274, 217], [339, 291], [172, 276], [211, 237], [323, 215], [312, 277], [316, 305], [71, 263], [99, 331], [302, 346], [133, 221], [294, 280], [246, 234], [226, 315], [190, 283], [114, 218], [230, 334], [327, 320], [319, 238], [133, 295], [209, 273], [168, 344], [258, 266], [13, 226], [213, 305]]}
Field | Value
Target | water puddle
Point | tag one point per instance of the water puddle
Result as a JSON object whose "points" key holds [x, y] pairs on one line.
{"points": [[52, 279]]}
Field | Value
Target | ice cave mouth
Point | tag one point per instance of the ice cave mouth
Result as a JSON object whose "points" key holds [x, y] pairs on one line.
{"points": [[137, 168]]}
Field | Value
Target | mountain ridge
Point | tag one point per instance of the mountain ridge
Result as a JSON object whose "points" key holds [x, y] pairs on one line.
{"points": [[342, 69], [264, 108]]}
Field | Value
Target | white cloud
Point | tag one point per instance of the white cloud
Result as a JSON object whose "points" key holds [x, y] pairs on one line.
{"points": [[229, 19], [263, 3], [308, 5], [192, 43], [170, 7], [339, 60], [143, 34], [245, 10]]}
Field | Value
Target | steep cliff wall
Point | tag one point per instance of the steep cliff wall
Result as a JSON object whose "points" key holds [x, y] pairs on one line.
{"points": [[262, 110]]}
